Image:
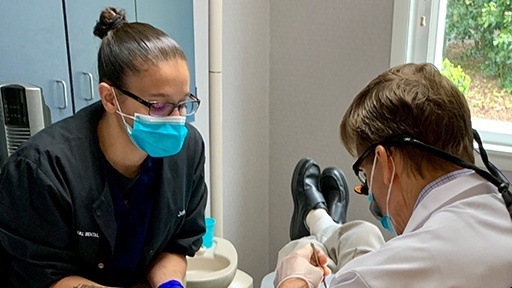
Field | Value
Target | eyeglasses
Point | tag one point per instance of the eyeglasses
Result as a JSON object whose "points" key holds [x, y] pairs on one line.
{"points": [[494, 176], [162, 109], [363, 189]]}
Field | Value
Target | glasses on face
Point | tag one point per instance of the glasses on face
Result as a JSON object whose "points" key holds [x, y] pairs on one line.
{"points": [[363, 189], [494, 176], [162, 109]]}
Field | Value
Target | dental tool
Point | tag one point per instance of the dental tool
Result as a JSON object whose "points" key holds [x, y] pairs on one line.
{"points": [[318, 262]]}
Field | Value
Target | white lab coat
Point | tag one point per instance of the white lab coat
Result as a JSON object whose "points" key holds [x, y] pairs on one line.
{"points": [[460, 235]]}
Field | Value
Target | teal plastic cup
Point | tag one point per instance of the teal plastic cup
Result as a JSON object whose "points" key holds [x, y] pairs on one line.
{"points": [[210, 231]]}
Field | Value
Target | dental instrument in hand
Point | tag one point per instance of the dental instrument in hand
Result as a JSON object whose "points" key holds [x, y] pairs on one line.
{"points": [[318, 262]]}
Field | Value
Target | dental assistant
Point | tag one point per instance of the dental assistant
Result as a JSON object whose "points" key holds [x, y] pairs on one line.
{"points": [[114, 195], [410, 129]]}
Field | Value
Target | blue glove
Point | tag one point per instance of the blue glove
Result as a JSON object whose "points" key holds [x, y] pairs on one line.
{"points": [[171, 284]]}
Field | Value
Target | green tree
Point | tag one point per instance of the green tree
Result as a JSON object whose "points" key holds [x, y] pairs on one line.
{"points": [[456, 75], [486, 24]]}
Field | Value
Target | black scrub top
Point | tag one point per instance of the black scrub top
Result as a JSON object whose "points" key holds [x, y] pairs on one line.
{"points": [[56, 212]]}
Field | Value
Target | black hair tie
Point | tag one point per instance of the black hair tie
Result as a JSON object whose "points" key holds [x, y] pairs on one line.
{"points": [[117, 21]]}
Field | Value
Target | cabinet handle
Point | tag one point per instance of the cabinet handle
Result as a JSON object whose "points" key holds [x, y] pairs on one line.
{"points": [[65, 93], [91, 84]]}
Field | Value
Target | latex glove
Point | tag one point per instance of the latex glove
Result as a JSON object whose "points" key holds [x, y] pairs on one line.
{"points": [[302, 264]]}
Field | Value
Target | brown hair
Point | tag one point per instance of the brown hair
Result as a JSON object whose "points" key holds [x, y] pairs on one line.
{"points": [[127, 47], [413, 100]]}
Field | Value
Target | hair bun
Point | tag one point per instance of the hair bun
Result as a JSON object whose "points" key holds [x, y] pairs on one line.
{"points": [[110, 19]]}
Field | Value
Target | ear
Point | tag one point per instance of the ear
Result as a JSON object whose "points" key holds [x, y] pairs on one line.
{"points": [[107, 97], [387, 163]]}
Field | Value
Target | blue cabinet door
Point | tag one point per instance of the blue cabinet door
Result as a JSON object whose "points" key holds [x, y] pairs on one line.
{"points": [[33, 50], [83, 45], [176, 18]]}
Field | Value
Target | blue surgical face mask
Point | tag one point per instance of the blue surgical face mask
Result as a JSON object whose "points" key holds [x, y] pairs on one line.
{"points": [[385, 220], [157, 136]]}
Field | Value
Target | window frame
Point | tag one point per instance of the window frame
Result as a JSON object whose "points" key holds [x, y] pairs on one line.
{"points": [[407, 34]]}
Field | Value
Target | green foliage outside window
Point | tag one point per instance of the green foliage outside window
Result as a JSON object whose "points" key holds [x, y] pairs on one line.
{"points": [[456, 75], [487, 24]]}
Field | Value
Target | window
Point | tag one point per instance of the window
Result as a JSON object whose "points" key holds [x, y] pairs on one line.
{"points": [[471, 41]]}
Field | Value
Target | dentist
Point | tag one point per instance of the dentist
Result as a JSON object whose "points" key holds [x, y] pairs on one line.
{"points": [[410, 129], [114, 195]]}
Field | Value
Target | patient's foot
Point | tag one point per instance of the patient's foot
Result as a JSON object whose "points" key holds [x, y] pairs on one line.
{"points": [[334, 188], [306, 196]]}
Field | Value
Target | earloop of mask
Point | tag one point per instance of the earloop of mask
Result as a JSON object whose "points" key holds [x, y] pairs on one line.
{"points": [[389, 188], [119, 107], [385, 219]]}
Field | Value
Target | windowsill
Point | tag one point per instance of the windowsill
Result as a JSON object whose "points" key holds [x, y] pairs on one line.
{"points": [[496, 141], [499, 150], [500, 156], [492, 131]]}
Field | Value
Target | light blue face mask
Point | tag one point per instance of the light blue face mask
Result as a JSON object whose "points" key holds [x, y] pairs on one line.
{"points": [[157, 136], [385, 220]]}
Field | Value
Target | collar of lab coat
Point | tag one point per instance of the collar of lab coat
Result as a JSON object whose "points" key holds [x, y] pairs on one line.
{"points": [[458, 189]]}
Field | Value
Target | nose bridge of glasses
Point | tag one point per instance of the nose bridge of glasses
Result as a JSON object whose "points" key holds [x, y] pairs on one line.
{"points": [[177, 110]]}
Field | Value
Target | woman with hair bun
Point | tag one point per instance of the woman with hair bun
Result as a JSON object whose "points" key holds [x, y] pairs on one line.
{"points": [[113, 196]]}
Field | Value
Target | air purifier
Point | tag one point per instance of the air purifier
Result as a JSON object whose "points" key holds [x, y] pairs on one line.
{"points": [[23, 113]]}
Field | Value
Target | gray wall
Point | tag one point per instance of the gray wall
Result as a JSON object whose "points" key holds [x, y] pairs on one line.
{"points": [[245, 131], [322, 53], [290, 69]]}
